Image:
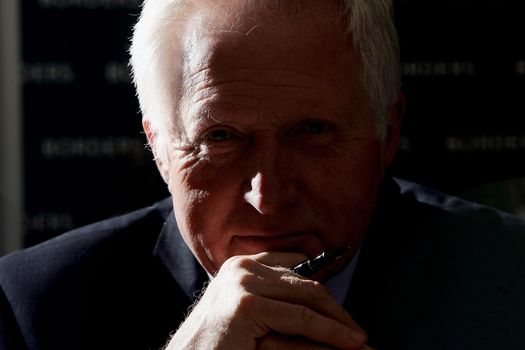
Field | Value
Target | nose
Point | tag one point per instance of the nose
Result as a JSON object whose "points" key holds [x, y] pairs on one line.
{"points": [[270, 185]]}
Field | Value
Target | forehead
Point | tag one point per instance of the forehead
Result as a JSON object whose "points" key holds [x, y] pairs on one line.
{"points": [[232, 14], [237, 33], [254, 56]]}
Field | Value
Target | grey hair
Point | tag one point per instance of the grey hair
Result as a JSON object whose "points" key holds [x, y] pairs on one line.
{"points": [[155, 63]]}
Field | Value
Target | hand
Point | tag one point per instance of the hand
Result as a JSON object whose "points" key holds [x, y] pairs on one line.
{"points": [[256, 302]]}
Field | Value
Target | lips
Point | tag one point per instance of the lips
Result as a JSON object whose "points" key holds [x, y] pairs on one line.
{"points": [[274, 234], [290, 242]]}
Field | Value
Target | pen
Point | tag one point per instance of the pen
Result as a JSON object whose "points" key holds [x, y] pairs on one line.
{"points": [[311, 266]]}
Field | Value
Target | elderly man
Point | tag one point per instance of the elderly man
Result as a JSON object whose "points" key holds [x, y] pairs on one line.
{"points": [[272, 123]]}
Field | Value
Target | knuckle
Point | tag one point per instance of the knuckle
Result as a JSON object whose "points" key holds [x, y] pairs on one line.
{"points": [[238, 262], [316, 290], [232, 262], [239, 272], [246, 263], [247, 303], [247, 280], [305, 315]]}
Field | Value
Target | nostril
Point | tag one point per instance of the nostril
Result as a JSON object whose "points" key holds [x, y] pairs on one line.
{"points": [[258, 204], [263, 195]]}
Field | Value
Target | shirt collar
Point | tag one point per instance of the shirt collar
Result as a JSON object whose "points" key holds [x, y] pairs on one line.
{"points": [[339, 284]]}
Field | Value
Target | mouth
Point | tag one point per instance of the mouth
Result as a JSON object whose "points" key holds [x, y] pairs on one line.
{"points": [[286, 242]]}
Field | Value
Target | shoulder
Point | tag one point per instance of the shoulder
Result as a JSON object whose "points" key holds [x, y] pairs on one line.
{"points": [[128, 230], [83, 282], [469, 238], [115, 237], [457, 232], [468, 259], [108, 240], [438, 208], [454, 265]]}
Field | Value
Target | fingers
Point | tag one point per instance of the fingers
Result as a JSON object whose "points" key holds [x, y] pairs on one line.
{"points": [[279, 342], [275, 299], [302, 321], [292, 289], [252, 297], [283, 285]]}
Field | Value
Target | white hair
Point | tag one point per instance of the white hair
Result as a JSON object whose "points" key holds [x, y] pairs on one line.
{"points": [[156, 59]]}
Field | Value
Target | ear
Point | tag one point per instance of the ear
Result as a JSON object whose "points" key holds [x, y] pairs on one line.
{"points": [[396, 114], [152, 141]]}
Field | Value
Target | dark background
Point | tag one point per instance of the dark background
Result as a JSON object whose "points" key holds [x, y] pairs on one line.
{"points": [[463, 66]]}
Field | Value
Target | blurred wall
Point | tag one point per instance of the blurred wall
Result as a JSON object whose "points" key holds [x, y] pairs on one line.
{"points": [[463, 65], [85, 155], [10, 129]]}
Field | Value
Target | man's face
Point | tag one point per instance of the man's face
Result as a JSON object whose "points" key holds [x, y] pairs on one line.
{"points": [[278, 150]]}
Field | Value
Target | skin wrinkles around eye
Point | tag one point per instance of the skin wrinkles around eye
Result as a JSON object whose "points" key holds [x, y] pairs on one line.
{"points": [[321, 138], [312, 136], [220, 141], [218, 135], [315, 127], [315, 132]]}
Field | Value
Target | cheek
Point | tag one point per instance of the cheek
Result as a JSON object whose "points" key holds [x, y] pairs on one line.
{"points": [[344, 191], [349, 173], [202, 200]]}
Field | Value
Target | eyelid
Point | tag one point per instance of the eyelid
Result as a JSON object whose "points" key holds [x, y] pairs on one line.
{"points": [[234, 132]]}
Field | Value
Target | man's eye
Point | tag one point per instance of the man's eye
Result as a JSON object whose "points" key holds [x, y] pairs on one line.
{"points": [[218, 135], [314, 127]]}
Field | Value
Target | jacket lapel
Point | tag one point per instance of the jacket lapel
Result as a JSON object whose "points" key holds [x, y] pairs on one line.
{"points": [[179, 260], [378, 260]]}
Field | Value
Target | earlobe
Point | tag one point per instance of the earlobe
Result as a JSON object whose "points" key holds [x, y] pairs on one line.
{"points": [[391, 142], [152, 141]]}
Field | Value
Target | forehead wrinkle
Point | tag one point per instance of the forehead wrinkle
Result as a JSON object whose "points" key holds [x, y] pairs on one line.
{"points": [[230, 93], [212, 100], [251, 96], [210, 77], [217, 48], [226, 79]]}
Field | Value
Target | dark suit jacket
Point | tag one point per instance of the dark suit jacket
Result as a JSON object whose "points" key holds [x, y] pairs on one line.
{"points": [[434, 272]]}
